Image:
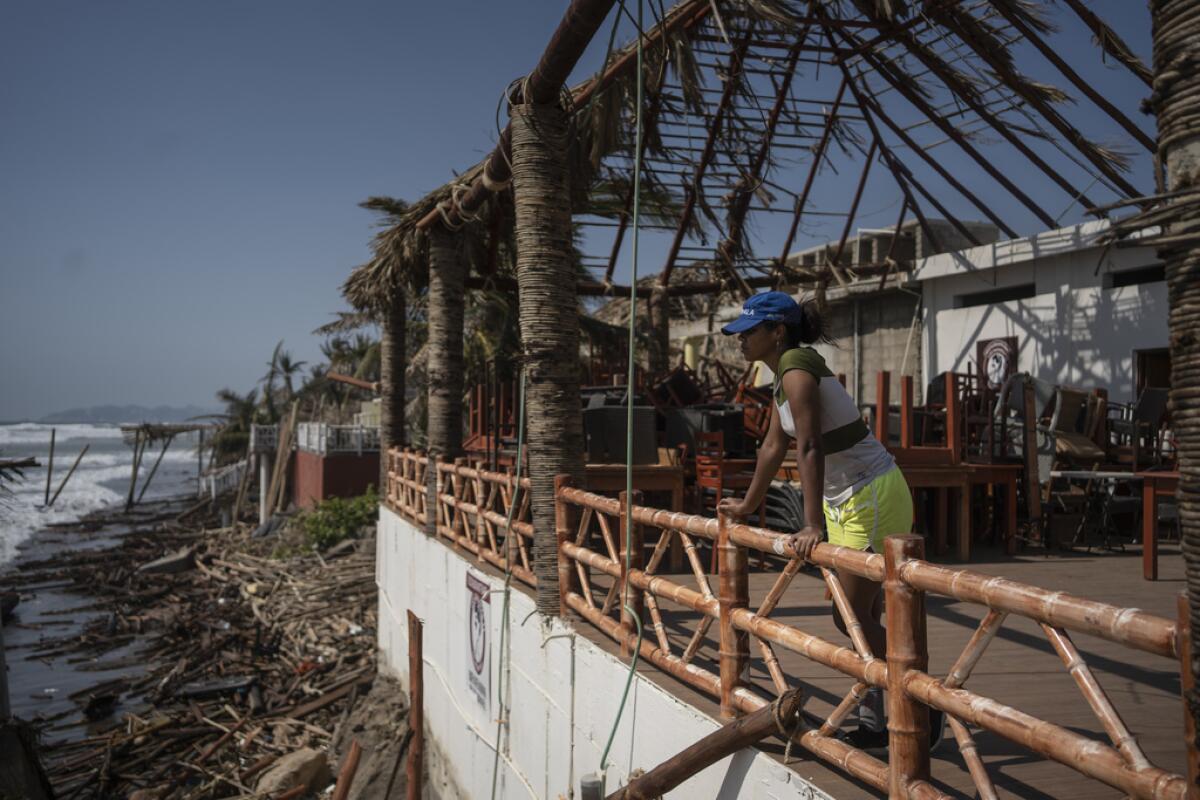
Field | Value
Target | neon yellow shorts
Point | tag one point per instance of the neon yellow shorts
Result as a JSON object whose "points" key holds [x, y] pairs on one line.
{"points": [[880, 509]]}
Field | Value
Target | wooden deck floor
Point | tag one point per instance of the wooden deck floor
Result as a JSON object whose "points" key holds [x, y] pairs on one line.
{"points": [[1019, 669]]}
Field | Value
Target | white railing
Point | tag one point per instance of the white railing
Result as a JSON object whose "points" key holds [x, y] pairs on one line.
{"points": [[225, 479], [264, 438], [318, 437]]}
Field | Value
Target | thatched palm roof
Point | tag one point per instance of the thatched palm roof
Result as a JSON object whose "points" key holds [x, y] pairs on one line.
{"points": [[766, 107]]}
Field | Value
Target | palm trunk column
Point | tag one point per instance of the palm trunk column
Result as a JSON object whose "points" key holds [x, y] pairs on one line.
{"points": [[1175, 103], [447, 298], [392, 348], [659, 350], [549, 324]]}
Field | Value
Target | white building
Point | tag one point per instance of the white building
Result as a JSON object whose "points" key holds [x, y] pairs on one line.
{"points": [[1080, 313]]}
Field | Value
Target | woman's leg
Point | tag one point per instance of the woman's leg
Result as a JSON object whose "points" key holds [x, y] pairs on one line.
{"points": [[865, 600], [881, 508]]}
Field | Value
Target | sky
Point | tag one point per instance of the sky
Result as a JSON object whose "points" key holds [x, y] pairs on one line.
{"points": [[179, 182]]}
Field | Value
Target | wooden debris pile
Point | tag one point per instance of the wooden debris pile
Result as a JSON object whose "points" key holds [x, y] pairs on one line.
{"points": [[243, 662]]}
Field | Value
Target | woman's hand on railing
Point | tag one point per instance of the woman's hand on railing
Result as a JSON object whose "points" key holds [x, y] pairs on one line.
{"points": [[805, 540], [731, 506]]}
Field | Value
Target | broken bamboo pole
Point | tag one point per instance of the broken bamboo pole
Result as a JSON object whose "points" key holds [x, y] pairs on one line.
{"points": [[346, 776], [137, 462], [416, 713], [154, 469], [49, 467], [778, 717], [70, 472]]}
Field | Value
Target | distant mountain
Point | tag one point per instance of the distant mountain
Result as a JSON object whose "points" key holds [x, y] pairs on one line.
{"points": [[117, 414]]}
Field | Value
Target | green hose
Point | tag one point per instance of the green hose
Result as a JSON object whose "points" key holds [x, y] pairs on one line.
{"points": [[628, 509], [508, 531]]}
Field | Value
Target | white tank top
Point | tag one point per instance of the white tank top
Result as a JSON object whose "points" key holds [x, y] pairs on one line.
{"points": [[853, 456]]}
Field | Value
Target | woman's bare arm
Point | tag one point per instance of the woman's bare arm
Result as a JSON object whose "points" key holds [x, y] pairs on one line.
{"points": [[804, 399], [770, 456]]}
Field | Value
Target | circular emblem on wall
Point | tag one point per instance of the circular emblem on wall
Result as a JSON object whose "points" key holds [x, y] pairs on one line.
{"points": [[997, 362], [478, 625]]}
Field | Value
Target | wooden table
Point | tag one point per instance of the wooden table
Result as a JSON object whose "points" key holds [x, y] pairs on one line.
{"points": [[646, 478], [961, 477], [1155, 485], [944, 478]]}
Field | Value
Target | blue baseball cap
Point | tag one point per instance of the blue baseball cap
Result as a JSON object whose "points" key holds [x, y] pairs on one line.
{"points": [[765, 307]]}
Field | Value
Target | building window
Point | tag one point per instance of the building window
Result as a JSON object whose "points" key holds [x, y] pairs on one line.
{"points": [[1132, 277], [1020, 292]]}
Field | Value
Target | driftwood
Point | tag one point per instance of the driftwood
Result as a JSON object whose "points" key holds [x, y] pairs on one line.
{"points": [[245, 657], [777, 718]]}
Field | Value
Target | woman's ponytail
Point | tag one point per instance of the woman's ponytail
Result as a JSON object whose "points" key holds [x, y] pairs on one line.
{"points": [[809, 329]]}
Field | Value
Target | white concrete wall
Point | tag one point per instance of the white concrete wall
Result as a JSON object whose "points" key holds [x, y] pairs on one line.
{"points": [[556, 677], [1072, 331]]}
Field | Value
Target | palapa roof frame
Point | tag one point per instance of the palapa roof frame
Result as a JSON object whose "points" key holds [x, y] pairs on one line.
{"points": [[755, 108]]}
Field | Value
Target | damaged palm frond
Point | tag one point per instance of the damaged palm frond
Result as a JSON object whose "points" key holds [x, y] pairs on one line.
{"points": [[915, 76], [1109, 42], [347, 321], [1031, 12]]}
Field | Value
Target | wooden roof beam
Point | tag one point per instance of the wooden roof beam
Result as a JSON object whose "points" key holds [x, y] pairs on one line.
{"points": [[575, 31], [921, 105], [958, 89], [853, 212], [888, 158], [945, 174], [818, 157], [1076, 80], [1111, 43], [951, 20], [740, 204], [714, 130], [619, 238]]}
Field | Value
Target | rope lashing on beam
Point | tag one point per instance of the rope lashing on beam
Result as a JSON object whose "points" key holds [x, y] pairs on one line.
{"points": [[492, 185]]}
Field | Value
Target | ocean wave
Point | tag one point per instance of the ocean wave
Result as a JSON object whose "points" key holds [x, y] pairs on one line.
{"points": [[99, 482], [37, 433]]}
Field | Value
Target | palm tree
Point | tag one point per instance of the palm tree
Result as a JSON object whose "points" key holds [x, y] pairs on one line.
{"points": [[364, 357], [287, 369], [549, 324], [268, 382], [281, 366], [381, 287], [1179, 150], [392, 344], [241, 411], [447, 279]]}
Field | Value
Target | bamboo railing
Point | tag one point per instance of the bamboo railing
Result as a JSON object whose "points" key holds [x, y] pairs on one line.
{"points": [[906, 579], [470, 507]]}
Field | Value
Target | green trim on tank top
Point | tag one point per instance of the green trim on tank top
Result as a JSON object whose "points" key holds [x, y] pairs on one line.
{"points": [[801, 358]]}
